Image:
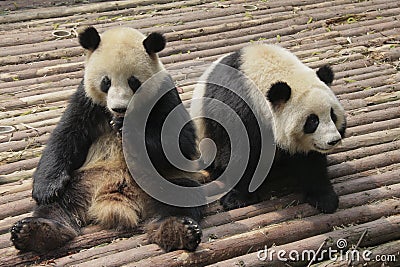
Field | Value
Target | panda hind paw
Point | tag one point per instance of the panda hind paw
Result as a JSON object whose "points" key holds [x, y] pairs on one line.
{"points": [[40, 234], [176, 233]]}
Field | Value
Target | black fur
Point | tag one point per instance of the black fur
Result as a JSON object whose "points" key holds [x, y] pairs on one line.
{"points": [[61, 200], [89, 39], [311, 124], [309, 170], [176, 227], [154, 43], [81, 124], [233, 60], [53, 224], [310, 173], [279, 93], [154, 124], [219, 135], [62, 197], [326, 74], [342, 129], [212, 128]]}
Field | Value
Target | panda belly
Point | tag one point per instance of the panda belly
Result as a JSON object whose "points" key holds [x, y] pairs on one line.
{"points": [[116, 200]]}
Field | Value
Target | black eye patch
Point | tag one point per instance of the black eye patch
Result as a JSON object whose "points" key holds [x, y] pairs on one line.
{"points": [[333, 116], [311, 124], [105, 84], [134, 83]]}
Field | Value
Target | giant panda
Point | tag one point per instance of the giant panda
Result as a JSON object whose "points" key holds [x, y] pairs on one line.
{"points": [[306, 119], [82, 176]]}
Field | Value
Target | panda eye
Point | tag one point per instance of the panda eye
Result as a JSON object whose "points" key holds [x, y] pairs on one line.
{"points": [[134, 83], [311, 124], [105, 84], [333, 116]]}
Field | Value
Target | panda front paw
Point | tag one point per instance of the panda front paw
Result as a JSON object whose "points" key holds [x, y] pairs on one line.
{"points": [[49, 190], [326, 202], [235, 199], [117, 123], [176, 233]]}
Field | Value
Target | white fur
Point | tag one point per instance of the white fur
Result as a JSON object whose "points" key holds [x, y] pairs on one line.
{"points": [[120, 55], [266, 65]]}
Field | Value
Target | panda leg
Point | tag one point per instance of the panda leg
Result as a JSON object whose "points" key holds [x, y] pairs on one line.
{"points": [[317, 188], [238, 199], [240, 196], [50, 227], [175, 227], [54, 224], [319, 193]]}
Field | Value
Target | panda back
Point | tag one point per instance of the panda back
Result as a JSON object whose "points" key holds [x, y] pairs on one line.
{"points": [[224, 81]]}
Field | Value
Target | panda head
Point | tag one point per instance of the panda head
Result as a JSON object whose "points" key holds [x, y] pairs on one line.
{"points": [[311, 121], [117, 63], [307, 114]]}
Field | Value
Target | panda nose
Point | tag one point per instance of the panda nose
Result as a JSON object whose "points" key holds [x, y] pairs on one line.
{"points": [[334, 142], [119, 110]]}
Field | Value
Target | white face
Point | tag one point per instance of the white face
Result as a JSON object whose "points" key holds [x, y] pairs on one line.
{"points": [[117, 68], [314, 124], [115, 90], [303, 119]]}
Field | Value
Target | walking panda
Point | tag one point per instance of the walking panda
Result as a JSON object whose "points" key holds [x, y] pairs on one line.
{"points": [[82, 176], [308, 120]]}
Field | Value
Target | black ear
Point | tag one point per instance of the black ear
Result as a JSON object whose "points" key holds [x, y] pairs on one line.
{"points": [[325, 74], [279, 93], [89, 39], [154, 43]]}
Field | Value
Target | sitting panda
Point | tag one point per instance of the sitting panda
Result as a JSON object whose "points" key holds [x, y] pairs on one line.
{"points": [[308, 120], [82, 176]]}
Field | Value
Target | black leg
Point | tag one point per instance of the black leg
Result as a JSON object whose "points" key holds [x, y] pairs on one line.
{"points": [[240, 196], [49, 228], [176, 227], [52, 225], [238, 199], [317, 188]]}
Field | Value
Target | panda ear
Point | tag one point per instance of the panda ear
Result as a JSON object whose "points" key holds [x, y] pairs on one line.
{"points": [[279, 93], [326, 74], [154, 43], [89, 39]]}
